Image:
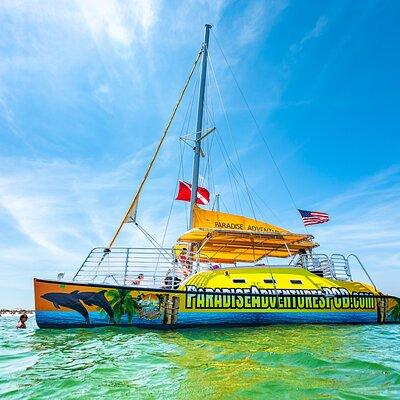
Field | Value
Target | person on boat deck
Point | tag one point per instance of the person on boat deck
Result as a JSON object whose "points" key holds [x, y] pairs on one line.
{"points": [[138, 280], [171, 279], [21, 323], [185, 262], [300, 261]]}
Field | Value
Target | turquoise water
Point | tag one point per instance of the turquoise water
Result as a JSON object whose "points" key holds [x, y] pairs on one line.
{"points": [[292, 362]]}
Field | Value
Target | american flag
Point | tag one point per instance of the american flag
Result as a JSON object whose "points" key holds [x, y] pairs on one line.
{"points": [[313, 217]]}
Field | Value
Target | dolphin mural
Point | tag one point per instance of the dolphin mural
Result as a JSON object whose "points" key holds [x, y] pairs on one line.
{"points": [[97, 299], [68, 300]]}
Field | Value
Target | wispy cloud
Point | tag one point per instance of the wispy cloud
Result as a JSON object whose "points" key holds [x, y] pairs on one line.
{"points": [[365, 220], [124, 23], [258, 19], [65, 207], [314, 33]]}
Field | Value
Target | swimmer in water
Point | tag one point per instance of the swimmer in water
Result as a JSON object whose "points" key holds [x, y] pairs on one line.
{"points": [[21, 323]]}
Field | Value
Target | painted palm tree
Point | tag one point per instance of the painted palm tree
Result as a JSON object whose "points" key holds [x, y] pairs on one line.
{"points": [[123, 303], [394, 312]]}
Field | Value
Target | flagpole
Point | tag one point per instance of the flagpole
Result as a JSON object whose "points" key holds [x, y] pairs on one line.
{"points": [[199, 125]]}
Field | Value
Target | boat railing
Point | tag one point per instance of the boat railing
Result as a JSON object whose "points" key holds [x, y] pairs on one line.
{"points": [[335, 266], [353, 256], [147, 267], [341, 267]]}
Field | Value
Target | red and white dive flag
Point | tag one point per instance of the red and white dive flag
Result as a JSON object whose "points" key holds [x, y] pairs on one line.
{"points": [[185, 193], [313, 217]]}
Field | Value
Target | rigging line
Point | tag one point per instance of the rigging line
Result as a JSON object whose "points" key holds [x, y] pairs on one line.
{"points": [[223, 203], [252, 190], [268, 207], [153, 241], [185, 128], [182, 152], [234, 168], [230, 173], [241, 174], [211, 169], [208, 169], [256, 193], [149, 237], [189, 109], [222, 149], [231, 136], [171, 207], [133, 205], [256, 124], [208, 165], [212, 118], [194, 95], [236, 184], [204, 142]]}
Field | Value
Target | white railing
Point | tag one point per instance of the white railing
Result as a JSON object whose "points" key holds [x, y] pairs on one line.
{"points": [[148, 267], [166, 268], [334, 267]]}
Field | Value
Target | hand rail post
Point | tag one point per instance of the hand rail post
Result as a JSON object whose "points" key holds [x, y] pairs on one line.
{"points": [[126, 265], [362, 266]]}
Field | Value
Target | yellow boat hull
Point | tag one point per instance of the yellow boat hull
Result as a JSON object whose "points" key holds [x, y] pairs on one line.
{"points": [[223, 297]]}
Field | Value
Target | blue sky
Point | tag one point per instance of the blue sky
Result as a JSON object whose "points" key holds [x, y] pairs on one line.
{"points": [[86, 88]]}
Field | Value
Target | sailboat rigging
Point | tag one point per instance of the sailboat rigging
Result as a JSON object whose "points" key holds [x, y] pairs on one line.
{"points": [[219, 271]]}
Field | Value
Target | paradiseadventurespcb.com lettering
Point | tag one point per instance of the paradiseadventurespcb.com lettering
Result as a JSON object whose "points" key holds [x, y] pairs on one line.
{"points": [[298, 299]]}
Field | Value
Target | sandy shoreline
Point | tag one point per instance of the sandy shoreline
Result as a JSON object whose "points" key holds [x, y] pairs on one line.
{"points": [[16, 313]]}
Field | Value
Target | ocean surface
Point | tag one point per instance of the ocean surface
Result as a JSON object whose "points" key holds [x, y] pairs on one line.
{"points": [[273, 362]]}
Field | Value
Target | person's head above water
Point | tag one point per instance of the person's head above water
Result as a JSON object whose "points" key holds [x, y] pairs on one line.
{"points": [[23, 317]]}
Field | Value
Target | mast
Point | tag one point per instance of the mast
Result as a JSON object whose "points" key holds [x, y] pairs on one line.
{"points": [[217, 202], [199, 125]]}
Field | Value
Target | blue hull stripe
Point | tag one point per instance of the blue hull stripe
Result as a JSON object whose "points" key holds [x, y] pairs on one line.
{"points": [[71, 319]]}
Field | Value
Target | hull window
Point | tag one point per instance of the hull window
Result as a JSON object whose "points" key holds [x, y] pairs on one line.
{"points": [[269, 281], [239, 280], [296, 281]]}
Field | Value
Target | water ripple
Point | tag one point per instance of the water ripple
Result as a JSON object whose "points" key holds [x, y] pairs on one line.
{"points": [[293, 362]]}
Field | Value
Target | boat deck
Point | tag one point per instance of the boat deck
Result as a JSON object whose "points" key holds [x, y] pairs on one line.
{"points": [[122, 266]]}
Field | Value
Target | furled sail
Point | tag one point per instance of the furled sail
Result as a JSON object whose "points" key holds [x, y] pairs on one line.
{"points": [[219, 220]]}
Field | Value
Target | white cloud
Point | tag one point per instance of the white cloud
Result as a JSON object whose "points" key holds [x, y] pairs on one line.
{"points": [[315, 32], [66, 208], [124, 23], [258, 19], [365, 220]]}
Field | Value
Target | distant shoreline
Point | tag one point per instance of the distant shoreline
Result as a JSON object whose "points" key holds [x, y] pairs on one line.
{"points": [[17, 312]]}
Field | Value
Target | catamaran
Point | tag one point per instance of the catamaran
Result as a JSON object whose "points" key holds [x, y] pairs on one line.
{"points": [[219, 271]]}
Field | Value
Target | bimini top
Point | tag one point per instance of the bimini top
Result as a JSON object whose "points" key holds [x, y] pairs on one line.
{"points": [[249, 240]]}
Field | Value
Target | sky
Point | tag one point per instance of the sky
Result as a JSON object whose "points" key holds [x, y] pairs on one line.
{"points": [[86, 88]]}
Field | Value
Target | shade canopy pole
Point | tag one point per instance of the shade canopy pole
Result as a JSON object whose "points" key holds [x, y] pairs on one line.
{"points": [[199, 125]]}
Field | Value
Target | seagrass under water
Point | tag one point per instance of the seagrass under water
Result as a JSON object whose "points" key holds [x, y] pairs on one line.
{"points": [[293, 362]]}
